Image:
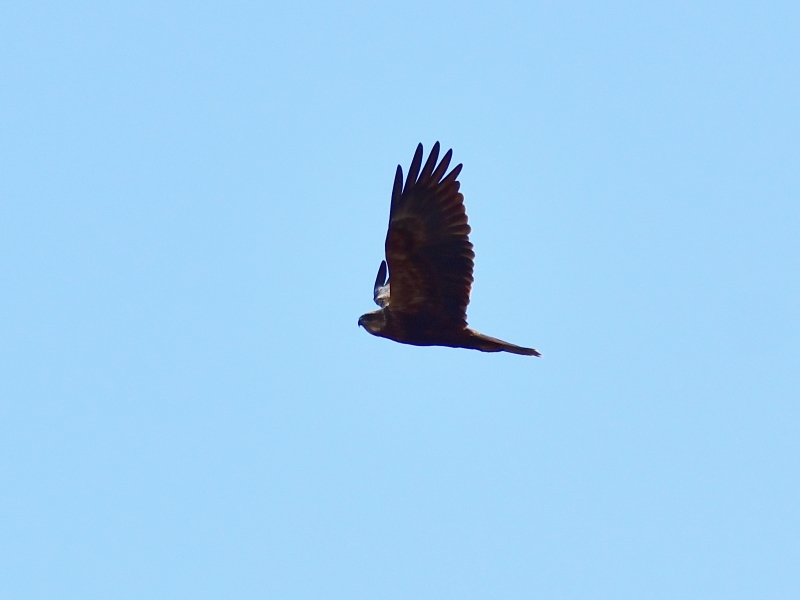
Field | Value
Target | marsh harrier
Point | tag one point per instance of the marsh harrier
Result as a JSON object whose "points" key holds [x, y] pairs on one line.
{"points": [[424, 301]]}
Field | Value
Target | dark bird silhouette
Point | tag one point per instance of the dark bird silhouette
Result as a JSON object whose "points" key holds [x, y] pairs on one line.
{"points": [[424, 302]]}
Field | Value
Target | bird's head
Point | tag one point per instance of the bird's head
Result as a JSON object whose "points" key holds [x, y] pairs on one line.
{"points": [[373, 322]]}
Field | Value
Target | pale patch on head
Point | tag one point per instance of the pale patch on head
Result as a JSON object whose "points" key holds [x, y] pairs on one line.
{"points": [[374, 322]]}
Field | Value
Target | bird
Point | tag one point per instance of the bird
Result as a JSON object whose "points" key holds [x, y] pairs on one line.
{"points": [[423, 301]]}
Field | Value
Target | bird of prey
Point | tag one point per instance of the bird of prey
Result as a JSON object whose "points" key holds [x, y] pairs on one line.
{"points": [[429, 255]]}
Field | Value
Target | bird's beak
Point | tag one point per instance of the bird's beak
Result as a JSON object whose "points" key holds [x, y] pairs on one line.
{"points": [[361, 321]]}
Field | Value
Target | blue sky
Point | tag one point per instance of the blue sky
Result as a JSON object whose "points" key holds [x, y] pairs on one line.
{"points": [[193, 203]]}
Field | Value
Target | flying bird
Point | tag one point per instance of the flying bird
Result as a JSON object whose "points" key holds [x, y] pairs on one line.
{"points": [[424, 300]]}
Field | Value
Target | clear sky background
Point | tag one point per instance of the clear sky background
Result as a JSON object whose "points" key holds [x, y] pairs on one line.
{"points": [[193, 204]]}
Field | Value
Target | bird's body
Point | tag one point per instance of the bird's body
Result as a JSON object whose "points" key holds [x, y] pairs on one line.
{"points": [[430, 264]]}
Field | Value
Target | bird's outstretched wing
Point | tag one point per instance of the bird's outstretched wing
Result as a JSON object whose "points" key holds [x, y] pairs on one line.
{"points": [[381, 290], [427, 246]]}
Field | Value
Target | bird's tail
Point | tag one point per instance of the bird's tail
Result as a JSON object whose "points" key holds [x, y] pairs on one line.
{"points": [[484, 343]]}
